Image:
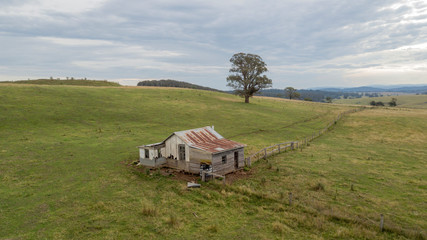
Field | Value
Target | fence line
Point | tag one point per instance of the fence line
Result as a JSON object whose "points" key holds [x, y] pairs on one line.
{"points": [[283, 147], [292, 145]]}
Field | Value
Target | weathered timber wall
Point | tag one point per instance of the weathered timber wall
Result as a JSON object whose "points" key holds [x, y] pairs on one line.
{"points": [[196, 156], [171, 147], [229, 166], [152, 162]]}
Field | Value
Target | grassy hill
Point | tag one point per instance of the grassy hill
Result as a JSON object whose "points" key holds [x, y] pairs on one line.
{"points": [[174, 83], [65, 152], [407, 101], [76, 82]]}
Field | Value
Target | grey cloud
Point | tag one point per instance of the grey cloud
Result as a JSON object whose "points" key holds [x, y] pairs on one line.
{"points": [[308, 34]]}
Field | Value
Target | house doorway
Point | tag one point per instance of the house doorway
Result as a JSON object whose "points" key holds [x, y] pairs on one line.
{"points": [[236, 160]]}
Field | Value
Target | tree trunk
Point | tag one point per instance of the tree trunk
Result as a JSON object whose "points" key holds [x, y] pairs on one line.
{"points": [[246, 99]]}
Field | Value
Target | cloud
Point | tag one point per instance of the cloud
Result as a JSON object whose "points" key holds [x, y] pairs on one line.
{"points": [[305, 43], [44, 8], [76, 41]]}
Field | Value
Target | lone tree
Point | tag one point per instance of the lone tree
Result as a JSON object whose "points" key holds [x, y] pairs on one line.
{"points": [[246, 76], [393, 102], [291, 92]]}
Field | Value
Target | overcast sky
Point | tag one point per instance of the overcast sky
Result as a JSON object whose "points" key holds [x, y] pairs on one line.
{"points": [[305, 43]]}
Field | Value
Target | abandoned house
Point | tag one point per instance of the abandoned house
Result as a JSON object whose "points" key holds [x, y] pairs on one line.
{"points": [[195, 150]]}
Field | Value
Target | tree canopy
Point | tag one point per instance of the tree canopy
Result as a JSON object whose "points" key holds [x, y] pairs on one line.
{"points": [[246, 76], [291, 92]]}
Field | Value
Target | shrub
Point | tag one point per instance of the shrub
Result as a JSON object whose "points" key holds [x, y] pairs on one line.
{"points": [[172, 221], [149, 211], [393, 102], [278, 227], [318, 187], [213, 229], [263, 181]]}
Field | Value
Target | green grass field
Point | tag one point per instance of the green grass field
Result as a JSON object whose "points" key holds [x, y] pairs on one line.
{"points": [[65, 150], [406, 101], [75, 82]]}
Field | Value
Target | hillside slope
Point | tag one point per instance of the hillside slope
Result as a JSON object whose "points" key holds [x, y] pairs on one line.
{"points": [[74, 82], [174, 83], [65, 152]]}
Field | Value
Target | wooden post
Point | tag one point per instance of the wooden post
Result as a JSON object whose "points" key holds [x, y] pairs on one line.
{"points": [[382, 223], [279, 148], [223, 180], [290, 199], [265, 153], [203, 176], [292, 145], [249, 161]]}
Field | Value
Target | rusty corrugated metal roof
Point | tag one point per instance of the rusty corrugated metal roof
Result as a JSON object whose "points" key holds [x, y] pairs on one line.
{"points": [[207, 139]]}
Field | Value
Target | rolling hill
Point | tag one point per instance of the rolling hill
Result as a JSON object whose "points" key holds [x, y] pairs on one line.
{"points": [[74, 82], [174, 83], [67, 151]]}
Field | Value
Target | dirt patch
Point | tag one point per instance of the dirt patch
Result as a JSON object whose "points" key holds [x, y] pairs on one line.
{"points": [[179, 175], [183, 176], [238, 175]]}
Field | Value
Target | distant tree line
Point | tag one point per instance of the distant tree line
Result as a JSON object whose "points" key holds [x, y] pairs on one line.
{"points": [[174, 83], [392, 103], [307, 95]]}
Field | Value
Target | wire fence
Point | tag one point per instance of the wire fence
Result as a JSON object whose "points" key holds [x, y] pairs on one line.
{"points": [[292, 145], [363, 220]]}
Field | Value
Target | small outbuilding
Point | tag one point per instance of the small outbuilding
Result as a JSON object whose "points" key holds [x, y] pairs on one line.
{"points": [[195, 150]]}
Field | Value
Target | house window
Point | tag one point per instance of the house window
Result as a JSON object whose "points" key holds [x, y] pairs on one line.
{"points": [[147, 153], [224, 159], [236, 156], [181, 150]]}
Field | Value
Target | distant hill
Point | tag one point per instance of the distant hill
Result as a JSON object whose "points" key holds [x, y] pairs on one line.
{"points": [[76, 82], [401, 88], [174, 83]]}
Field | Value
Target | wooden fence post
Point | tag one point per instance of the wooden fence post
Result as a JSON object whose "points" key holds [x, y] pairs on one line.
{"points": [[265, 153], [382, 223], [203, 176], [279, 147], [292, 145], [249, 161]]}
